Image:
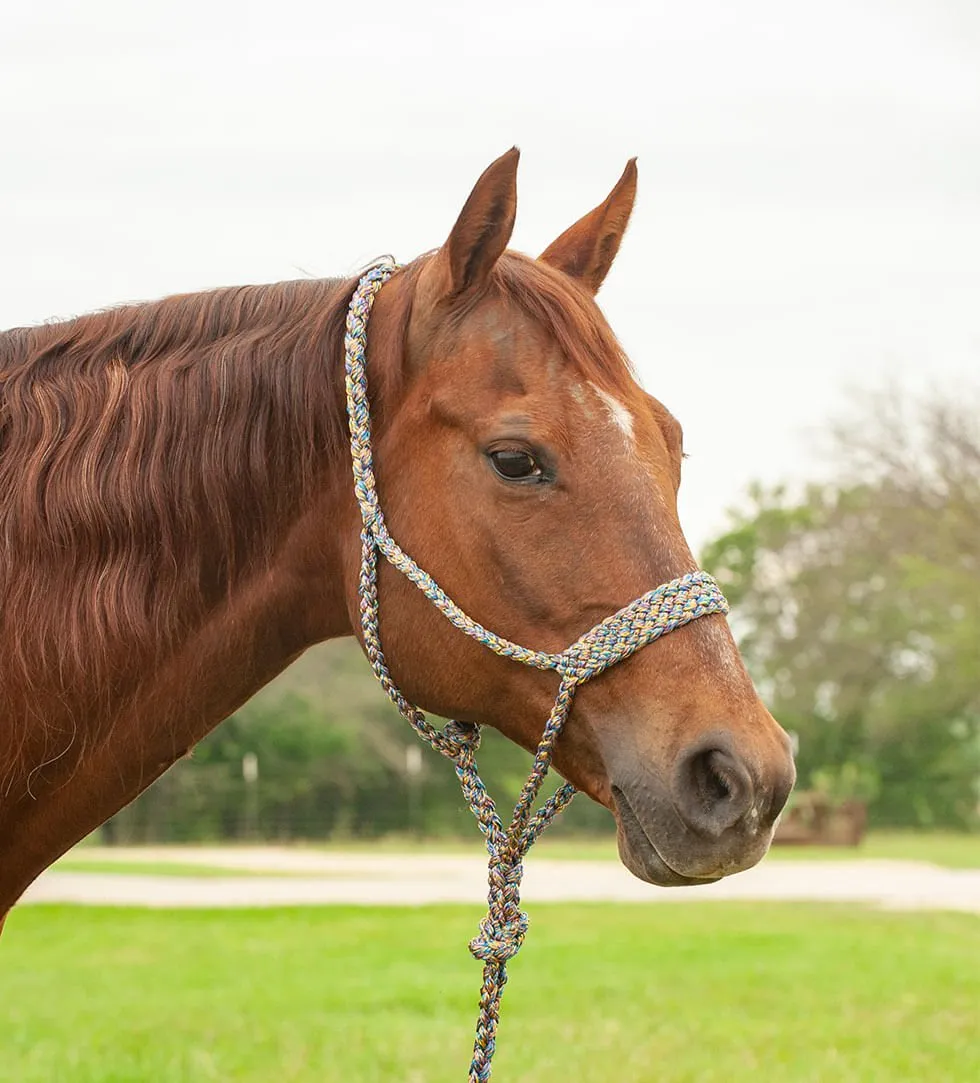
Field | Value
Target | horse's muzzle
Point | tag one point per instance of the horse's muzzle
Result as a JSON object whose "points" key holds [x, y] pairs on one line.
{"points": [[714, 817]]}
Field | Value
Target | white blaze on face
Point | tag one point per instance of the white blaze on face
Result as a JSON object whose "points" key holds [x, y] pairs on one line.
{"points": [[621, 417]]}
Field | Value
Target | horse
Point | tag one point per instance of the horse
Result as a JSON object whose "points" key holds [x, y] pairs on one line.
{"points": [[178, 525]]}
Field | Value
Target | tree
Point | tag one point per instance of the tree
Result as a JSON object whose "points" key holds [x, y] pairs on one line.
{"points": [[858, 606]]}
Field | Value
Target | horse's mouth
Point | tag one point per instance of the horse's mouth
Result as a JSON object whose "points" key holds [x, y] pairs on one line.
{"points": [[639, 853]]}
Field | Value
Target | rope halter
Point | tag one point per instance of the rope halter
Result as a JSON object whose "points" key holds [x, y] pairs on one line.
{"points": [[617, 637]]}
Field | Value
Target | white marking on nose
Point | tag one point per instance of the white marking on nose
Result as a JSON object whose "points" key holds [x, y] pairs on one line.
{"points": [[622, 418]]}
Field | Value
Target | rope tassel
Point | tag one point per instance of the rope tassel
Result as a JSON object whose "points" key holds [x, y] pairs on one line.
{"points": [[654, 614]]}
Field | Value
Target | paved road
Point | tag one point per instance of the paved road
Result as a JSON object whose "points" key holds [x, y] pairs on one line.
{"points": [[310, 878]]}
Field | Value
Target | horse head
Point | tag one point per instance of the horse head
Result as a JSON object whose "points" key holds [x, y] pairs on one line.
{"points": [[522, 465]]}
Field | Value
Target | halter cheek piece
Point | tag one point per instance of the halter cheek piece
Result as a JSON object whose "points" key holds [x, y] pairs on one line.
{"points": [[617, 637]]}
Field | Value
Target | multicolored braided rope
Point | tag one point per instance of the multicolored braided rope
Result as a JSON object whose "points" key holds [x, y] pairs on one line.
{"points": [[617, 637]]}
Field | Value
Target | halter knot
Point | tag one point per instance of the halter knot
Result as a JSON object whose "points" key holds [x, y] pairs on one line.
{"points": [[499, 941]]}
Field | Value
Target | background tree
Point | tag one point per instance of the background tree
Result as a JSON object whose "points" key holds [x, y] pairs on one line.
{"points": [[858, 607]]}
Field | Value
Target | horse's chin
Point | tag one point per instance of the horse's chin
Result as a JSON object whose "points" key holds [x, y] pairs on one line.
{"points": [[638, 853]]}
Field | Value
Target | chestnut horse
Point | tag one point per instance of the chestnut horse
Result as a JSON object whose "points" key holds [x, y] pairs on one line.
{"points": [[178, 525]]}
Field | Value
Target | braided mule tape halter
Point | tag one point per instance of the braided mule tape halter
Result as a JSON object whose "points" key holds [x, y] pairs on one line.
{"points": [[617, 637]]}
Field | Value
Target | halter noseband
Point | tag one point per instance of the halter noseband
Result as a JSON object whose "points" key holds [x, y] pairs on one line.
{"points": [[617, 637]]}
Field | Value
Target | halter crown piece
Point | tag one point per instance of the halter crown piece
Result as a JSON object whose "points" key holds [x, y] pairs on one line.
{"points": [[617, 637]]}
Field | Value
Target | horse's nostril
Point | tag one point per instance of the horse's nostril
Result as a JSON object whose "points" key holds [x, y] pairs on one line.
{"points": [[713, 791], [718, 784]]}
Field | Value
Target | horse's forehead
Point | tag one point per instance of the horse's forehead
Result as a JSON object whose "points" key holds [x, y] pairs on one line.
{"points": [[516, 350], [521, 355], [501, 326]]}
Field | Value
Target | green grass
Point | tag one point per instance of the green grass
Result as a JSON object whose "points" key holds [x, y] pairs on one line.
{"points": [[947, 849], [706, 993], [166, 868]]}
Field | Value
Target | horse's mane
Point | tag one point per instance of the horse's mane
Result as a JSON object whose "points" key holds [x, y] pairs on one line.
{"points": [[151, 454], [148, 455]]}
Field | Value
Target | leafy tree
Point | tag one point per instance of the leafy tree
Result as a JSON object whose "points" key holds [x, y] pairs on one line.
{"points": [[858, 607]]}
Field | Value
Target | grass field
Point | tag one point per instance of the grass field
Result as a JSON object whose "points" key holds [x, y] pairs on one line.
{"points": [[600, 994], [954, 851], [91, 862]]}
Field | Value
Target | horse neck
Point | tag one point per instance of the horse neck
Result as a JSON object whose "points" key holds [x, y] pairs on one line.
{"points": [[86, 738]]}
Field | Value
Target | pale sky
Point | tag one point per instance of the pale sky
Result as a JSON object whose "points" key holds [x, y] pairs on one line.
{"points": [[809, 208]]}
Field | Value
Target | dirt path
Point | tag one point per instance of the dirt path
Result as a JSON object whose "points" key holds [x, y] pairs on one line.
{"points": [[312, 878]]}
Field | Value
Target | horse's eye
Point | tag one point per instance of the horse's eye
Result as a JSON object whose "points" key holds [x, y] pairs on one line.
{"points": [[512, 465]]}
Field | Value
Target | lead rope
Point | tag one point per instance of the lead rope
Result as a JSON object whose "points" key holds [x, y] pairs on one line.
{"points": [[617, 637]]}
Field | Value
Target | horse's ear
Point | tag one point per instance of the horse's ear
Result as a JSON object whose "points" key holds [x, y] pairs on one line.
{"points": [[586, 250], [484, 226]]}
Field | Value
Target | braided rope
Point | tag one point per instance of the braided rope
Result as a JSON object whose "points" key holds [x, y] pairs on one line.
{"points": [[646, 619]]}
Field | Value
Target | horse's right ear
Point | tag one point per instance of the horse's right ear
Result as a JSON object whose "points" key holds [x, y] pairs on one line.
{"points": [[483, 228]]}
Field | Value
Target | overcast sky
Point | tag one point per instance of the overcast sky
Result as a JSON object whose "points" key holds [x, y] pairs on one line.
{"points": [[809, 208]]}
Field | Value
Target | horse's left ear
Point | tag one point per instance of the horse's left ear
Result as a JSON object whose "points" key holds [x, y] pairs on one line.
{"points": [[586, 250]]}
